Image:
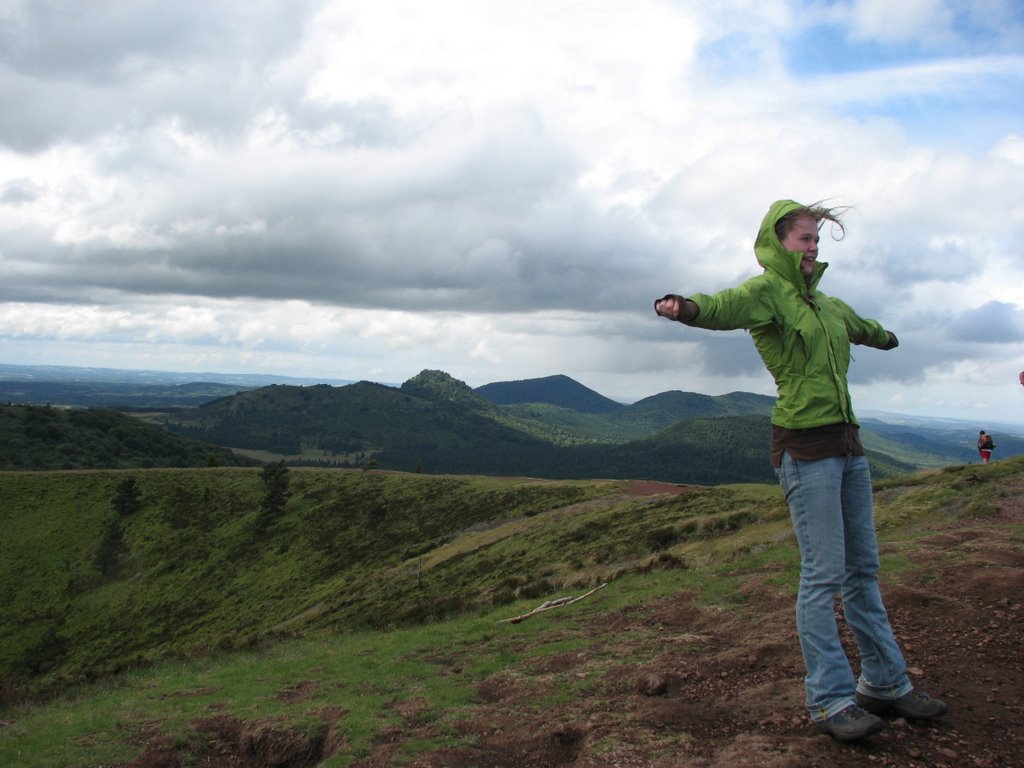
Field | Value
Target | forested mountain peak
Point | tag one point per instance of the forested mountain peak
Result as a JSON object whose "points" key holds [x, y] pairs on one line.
{"points": [[557, 390], [443, 386]]}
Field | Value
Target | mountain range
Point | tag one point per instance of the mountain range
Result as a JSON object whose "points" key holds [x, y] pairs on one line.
{"points": [[437, 424], [551, 427]]}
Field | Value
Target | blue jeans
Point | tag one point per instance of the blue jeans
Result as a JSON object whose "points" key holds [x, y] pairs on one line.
{"points": [[830, 503]]}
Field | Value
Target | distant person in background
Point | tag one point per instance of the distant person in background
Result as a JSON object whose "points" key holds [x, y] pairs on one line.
{"points": [[804, 338], [985, 446]]}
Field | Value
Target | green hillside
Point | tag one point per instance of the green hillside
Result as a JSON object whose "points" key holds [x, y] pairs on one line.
{"points": [[370, 609], [636, 421], [40, 437], [698, 451]]}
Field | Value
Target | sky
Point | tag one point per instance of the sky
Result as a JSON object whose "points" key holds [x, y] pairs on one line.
{"points": [[361, 190]]}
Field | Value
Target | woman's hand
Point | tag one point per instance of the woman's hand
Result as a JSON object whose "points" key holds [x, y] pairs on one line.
{"points": [[676, 308]]}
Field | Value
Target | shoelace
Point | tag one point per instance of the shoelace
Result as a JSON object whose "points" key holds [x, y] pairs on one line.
{"points": [[853, 712]]}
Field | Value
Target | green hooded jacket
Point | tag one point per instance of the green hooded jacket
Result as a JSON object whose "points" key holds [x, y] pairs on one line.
{"points": [[802, 335]]}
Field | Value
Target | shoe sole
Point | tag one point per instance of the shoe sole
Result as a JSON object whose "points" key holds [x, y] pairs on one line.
{"points": [[845, 737]]}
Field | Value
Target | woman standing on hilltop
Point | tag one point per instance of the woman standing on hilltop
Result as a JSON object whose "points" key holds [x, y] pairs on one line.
{"points": [[804, 338]]}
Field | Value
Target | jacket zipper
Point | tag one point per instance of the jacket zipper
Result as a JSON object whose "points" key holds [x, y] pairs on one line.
{"points": [[844, 405]]}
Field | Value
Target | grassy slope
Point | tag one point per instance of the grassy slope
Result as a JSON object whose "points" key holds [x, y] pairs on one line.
{"points": [[197, 584], [196, 574]]}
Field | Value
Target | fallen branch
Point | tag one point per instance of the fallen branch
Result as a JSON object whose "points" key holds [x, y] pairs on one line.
{"points": [[557, 603]]}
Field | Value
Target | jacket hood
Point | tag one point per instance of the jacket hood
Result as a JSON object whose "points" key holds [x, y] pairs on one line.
{"points": [[773, 257]]}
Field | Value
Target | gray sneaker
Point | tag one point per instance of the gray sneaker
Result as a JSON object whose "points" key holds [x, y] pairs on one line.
{"points": [[849, 724], [916, 705]]}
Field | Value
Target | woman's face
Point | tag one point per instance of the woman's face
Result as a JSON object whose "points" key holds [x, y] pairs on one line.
{"points": [[803, 238]]}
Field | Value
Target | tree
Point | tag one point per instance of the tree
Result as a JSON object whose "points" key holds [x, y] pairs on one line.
{"points": [[126, 500], [275, 494]]}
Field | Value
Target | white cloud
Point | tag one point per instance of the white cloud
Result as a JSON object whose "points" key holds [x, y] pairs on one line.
{"points": [[1010, 148], [907, 21], [366, 189]]}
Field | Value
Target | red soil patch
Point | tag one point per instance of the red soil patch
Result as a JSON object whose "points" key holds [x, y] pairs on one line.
{"points": [[652, 488]]}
